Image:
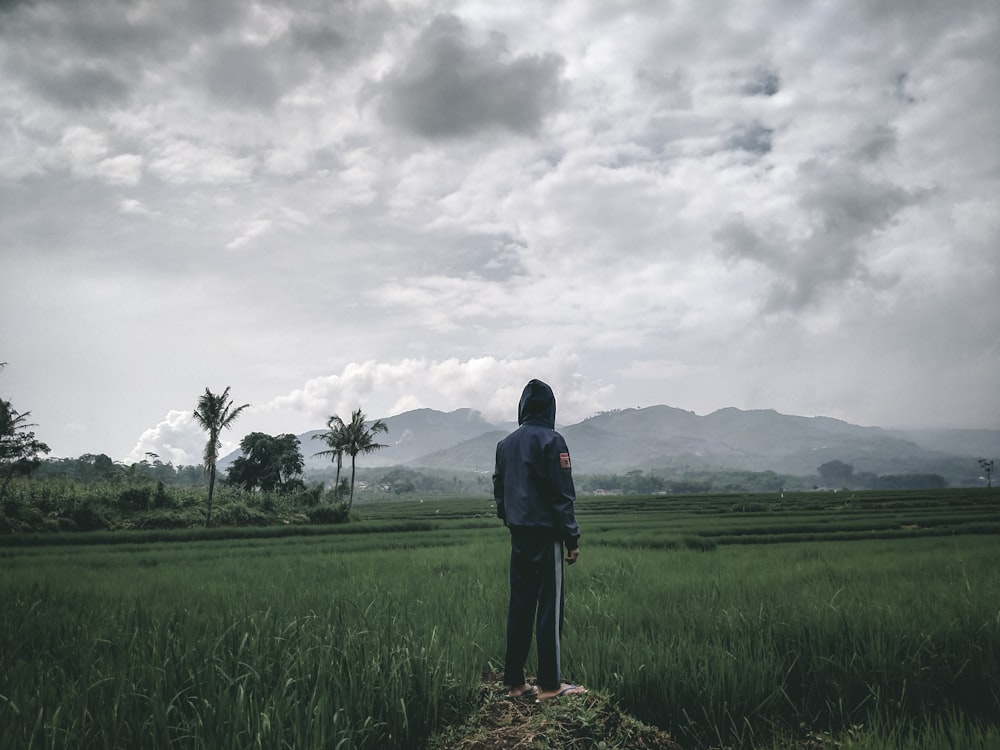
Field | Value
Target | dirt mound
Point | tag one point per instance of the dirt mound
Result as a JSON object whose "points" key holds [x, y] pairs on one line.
{"points": [[579, 721]]}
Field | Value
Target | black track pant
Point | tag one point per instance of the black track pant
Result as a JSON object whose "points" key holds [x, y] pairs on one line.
{"points": [[536, 602]]}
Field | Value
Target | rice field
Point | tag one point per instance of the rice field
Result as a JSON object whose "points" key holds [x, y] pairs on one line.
{"points": [[747, 622]]}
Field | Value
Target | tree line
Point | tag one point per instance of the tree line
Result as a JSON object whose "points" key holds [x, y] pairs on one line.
{"points": [[269, 464], [841, 475]]}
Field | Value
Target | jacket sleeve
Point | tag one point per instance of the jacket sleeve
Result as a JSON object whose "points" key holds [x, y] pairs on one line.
{"points": [[498, 488], [563, 492]]}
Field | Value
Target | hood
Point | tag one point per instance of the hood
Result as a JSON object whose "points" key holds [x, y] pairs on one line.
{"points": [[538, 405]]}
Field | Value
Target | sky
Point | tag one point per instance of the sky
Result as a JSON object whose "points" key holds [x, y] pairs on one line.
{"points": [[392, 205]]}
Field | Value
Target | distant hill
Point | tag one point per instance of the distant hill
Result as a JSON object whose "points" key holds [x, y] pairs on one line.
{"points": [[411, 435], [979, 443], [758, 440], [663, 437]]}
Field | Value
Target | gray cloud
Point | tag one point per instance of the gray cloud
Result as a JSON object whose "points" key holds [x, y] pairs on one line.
{"points": [[79, 87], [7, 6], [95, 54], [672, 87], [320, 39], [876, 142], [754, 138], [765, 83], [848, 204], [101, 32], [210, 18], [451, 87], [844, 210], [338, 34], [244, 76]]}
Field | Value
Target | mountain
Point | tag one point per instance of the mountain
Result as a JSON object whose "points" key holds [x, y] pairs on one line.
{"points": [[981, 443], [476, 454], [659, 437], [664, 438]]}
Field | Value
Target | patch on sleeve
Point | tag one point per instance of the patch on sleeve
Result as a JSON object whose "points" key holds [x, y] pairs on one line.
{"points": [[564, 460]]}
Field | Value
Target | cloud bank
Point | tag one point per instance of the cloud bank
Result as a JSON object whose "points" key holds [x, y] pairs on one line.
{"points": [[391, 205]]}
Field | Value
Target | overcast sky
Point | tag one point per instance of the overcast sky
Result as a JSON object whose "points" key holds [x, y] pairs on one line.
{"points": [[391, 205]]}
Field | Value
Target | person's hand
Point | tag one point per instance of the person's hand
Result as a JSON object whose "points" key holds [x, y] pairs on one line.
{"points": [[572, 555]]}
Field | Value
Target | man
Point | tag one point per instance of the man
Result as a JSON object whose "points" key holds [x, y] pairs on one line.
{"points": [[534, 493]]}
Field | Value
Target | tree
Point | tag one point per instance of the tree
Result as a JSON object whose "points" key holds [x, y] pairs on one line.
{"points": [[987, 466], [268, 463], [19, 448], [353, 438], [97, 467], [333, 437], [836, 473], [215, 413]]}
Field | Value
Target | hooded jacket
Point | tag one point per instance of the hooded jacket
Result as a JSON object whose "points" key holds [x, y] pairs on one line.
{"points": [[533, 480]]}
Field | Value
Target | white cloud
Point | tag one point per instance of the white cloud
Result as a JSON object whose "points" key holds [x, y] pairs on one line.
{"points": [[177, 440], [123, 169], [486, 383], [83, 147], [88, 154], [184, 163], [383, 389], [135, 207], [254, 229]]}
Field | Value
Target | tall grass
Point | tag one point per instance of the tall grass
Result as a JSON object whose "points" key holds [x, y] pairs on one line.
{"points": [[272, 646], [377, 639], [741, 644]]}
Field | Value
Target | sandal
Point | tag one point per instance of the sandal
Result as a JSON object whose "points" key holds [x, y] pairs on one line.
{"points": [[531, 691], [566, 689]]}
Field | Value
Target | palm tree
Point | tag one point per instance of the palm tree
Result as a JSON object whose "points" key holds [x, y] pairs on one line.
{"points": [[19, 448], [332, 437], [353, 438], [987, 467], [214, 413]]}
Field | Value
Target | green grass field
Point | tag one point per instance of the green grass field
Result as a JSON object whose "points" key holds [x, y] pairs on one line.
{"points": [[858, 621]]}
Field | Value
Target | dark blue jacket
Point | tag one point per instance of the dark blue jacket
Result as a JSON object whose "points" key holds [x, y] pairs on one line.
{"points": [[533, 480]]}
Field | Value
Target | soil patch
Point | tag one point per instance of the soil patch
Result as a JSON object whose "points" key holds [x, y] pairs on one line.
{"points": [[572, 721]]}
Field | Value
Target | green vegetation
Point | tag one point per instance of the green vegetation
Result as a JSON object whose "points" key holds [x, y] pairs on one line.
{"points": [[56, 505], [146, 494], [849, 620], [90, 468], [688, 480]]}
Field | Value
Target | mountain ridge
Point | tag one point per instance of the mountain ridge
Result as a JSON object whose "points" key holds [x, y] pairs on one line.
{"points": [[662, 437]]}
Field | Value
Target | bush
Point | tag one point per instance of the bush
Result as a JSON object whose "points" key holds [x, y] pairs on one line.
{"points": [[308, 497], [134, 498], [25, 520], [170, 518], [327, 514], [161, 499], [240, 514], [86, 517]]}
